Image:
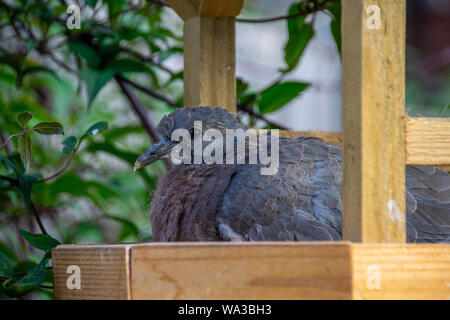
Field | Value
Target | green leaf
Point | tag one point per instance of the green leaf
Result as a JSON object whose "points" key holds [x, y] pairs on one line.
{"points": [[241, 87], [48, 128], [279, 94], [447, 107], [335, 9], [87, 53], [14, 162], [69, 144], [30, 45], [95, 80], [15, 61], [40, 241], [30, 281], [96, 128], [91, 3], [24, 117], [26, 183], [6, 269], [25, 150], [30, 70], [126, 65], [163, 55], [128, 228], [300, 32]]}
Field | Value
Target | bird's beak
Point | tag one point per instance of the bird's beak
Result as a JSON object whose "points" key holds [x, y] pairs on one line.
{"points": [[155, 152]]}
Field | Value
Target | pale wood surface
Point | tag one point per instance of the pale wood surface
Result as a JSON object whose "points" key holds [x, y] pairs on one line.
{"points": [[209, 51], [330, 137], [209, 62], [241, 271], [104, 271], [405, 271], [373, 112], [256, 270], [428, 141], [206, 8]]}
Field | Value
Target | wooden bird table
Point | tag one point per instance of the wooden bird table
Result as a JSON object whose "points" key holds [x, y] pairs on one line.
{"points": [[373, 261]]}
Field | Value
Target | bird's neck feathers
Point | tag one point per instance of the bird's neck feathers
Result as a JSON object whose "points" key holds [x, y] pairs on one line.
{"points": [[185, 196]]}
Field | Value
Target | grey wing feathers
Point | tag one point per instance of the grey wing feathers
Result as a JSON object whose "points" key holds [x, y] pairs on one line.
{"points": [[428, 214], [301, 202]]}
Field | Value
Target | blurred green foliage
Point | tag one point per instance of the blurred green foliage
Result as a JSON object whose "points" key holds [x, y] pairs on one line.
{"points": [[66, 127]]}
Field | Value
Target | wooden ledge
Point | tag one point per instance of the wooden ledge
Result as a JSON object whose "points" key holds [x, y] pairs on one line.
{"points": [[263, 270]]}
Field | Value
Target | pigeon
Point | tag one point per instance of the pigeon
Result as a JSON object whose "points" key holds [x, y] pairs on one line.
{"points": [[300, 201]]}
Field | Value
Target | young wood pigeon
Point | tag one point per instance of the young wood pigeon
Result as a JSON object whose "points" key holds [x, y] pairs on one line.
{"points": [[301, 202]]}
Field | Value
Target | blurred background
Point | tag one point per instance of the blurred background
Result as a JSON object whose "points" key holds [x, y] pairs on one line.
{"points": [[77, 106]]}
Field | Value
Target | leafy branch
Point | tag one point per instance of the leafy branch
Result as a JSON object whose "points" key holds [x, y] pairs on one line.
{"points": [[305, 8]]}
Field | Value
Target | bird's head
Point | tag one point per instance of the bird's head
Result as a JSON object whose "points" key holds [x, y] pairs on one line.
{"points": [[188, 119]]}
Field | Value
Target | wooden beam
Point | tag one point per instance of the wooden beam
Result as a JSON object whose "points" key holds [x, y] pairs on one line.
{"points": [[241, 271], [206, 8], [330, 137], [401, 271], [104, 272], [428, 141], [373, 121], [210, 62], [209, 51], [255, 270]]}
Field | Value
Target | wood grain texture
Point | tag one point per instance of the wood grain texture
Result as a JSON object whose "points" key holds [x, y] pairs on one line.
{"points": [[209, 62], [104, 271], [206, 8], [413, 271], [373, 123], [428, 141], [256, 270], [221, 8], [241, 271], [330, 137]]}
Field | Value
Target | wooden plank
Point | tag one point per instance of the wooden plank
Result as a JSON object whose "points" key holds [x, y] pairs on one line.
{"points": [[373, 122], [330, 137], [399, 271], [428, 141], [104, 271], [206, 8], [255, 270], [209, 62], [209, 51], [241, 271], [185, 8], [221, 8]]}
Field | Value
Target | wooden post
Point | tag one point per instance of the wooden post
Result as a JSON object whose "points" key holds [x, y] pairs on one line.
{"points": [[373, 120], [209, 51]]}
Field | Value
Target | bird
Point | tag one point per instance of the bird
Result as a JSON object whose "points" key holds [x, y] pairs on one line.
{"points": [[302, 201]]}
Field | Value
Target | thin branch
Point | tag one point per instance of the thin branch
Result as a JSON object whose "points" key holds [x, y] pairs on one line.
{"points": [[139, 110], [60, 171], [18, 274], [10, 180], [9, 147], [162, 3], [60, 63], [38, 219], [247, 109], [308, 10], [148, 59], [12, 136], [149, 91], [43, 286]]}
